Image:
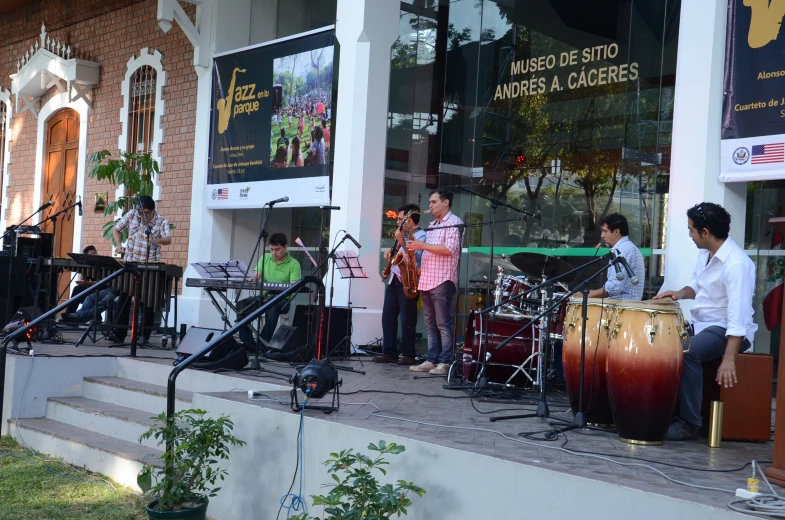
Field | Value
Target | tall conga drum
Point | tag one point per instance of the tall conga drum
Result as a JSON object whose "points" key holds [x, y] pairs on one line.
{"points": [[596, 407], [645, 360]]}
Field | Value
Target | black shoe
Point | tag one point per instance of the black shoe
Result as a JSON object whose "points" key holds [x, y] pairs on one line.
{"points": [[71, 317], [680, 430]]}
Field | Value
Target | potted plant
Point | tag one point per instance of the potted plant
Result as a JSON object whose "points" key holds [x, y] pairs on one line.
{"points": [[183, 486], [357, 493], [134, 171]]}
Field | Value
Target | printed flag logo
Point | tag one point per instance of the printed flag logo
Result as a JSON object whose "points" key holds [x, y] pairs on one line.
{"points": [[768, 153], [222, 194]]}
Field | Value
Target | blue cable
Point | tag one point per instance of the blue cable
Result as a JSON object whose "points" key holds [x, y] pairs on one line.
{"points": [[55, 471], [297, 503]]}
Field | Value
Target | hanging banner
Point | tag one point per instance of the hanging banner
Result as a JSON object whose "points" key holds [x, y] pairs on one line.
{"points": [[271, 124], [753, 114]]}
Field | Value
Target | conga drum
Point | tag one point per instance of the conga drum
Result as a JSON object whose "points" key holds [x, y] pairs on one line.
{"points": [[596, 407], [645, 360]]}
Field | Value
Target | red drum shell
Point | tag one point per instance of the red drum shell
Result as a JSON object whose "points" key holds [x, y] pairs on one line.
{"points": [[511, 355], [596, 405], [645, 361]]}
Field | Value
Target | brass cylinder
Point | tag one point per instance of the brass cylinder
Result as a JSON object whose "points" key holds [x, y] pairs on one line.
{"points": [[715, 425]]}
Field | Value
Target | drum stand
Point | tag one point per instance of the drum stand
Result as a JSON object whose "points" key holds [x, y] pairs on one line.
{"points": [[579, 421]]}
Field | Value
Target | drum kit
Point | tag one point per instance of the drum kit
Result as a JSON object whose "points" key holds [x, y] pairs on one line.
{"points": [[631, 361]]}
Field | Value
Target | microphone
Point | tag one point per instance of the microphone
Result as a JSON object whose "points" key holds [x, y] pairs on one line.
{"points": [[80, 206], [630, 273], [615, 261], [350, 237], [330, 207], [276, 201], [47, 205]]}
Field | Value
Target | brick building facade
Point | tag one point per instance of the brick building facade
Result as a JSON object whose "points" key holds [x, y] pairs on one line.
{"points": [[108, 33]]}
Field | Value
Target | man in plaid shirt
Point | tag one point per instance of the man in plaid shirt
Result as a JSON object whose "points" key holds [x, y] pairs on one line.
{"points": [[439, 280]]}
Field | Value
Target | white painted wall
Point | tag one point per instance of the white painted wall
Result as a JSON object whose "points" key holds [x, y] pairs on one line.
{"points": [[458, 484], [696, 137], [264, 20]]}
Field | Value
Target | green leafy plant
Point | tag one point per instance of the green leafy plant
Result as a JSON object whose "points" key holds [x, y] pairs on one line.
{"points": [[135, 171], [357, 494], [196, 443]]}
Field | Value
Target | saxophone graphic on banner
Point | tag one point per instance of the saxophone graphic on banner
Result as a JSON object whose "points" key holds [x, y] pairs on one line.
{"points": [[224, 105], [766, 21]]}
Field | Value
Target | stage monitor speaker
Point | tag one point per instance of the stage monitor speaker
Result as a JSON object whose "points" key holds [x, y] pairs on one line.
{"points": [[340, 316], [286, 343], [196, 338]]}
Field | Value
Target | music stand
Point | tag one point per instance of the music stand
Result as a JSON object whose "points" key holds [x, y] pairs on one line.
{"points": [[104, 263], [348, 265], [225, 270]]}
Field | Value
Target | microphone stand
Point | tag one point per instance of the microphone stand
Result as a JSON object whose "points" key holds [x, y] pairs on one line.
{"points": [[330, 255], [147, 231], [579, 421], [262, 239]]}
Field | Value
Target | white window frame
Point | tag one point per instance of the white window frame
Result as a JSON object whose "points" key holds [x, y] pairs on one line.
{"points": [[5, 98]]}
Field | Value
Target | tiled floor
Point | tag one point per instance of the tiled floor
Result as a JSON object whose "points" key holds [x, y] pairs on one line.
{"points": [[406, 401]]}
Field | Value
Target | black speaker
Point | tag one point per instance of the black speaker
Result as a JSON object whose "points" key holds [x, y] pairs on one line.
{"points": [[196, 338], [340, 316], [287, 339]]}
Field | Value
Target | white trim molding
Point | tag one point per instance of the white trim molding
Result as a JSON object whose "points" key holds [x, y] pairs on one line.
{"points": [[198, 34], [47, 65], [154, 60], [5, 97], [47, 111]]}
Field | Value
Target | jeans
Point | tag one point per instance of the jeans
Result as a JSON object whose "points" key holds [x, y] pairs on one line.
{"points": [[105, 299], [396, 305], [437, 307], [708, 345], [246, 305], [78, 289]]}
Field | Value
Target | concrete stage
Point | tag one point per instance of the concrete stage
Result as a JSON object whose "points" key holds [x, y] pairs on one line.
{"points": [[468, 465]]}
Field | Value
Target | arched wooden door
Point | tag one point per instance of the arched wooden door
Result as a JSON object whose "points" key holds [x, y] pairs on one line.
{"points": [[60, 166]]}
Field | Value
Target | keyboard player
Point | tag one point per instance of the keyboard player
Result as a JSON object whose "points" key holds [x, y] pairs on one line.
{"points": [[279, 266]]}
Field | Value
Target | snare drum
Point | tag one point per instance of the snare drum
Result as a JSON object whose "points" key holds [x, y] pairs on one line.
{"points": [[502, 363], [596, 406], [645, 360]]}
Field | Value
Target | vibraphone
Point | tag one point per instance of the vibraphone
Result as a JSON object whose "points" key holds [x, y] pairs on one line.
{"points": [[158, 281]]}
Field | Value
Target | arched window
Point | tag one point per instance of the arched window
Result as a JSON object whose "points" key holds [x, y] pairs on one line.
{"points": [[141, 109]]}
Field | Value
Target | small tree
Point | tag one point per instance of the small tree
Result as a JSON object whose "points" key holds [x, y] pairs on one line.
{"points": [[359, 494], [135, 171]]}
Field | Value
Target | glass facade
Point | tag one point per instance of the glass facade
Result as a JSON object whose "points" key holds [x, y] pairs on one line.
{"points": [[563, 109]]}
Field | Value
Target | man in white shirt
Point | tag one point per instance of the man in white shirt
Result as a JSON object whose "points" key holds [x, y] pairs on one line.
{"points": [[722, 286]]}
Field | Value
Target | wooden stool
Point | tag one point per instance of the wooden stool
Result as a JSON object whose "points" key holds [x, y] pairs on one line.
{"points": [[747, 405]]}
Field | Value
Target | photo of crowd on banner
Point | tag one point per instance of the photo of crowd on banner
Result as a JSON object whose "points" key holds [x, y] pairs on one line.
{"points": [[302, 109]]}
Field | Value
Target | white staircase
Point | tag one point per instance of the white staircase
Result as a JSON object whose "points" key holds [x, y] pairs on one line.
{"points": [[100, 429]]}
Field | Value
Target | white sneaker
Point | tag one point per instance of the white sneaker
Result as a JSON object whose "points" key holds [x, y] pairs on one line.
{"points": [[425, 366], [440, 370]]}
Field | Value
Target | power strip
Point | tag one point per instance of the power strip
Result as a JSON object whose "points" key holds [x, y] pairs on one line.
{"points": [[254, 394], [743, 493]]}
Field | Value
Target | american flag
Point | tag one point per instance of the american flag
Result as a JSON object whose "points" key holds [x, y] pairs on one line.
{"points": [[223, 194], [768, 153]]}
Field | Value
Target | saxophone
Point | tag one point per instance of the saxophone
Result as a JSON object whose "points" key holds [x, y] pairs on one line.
{"points": [[410, 276]]}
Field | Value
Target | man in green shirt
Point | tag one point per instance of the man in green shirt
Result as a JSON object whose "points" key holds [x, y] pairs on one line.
{"points": [[279, 266]]}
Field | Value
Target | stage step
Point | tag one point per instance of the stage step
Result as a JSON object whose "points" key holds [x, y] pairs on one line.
{"points": [[102, 417], [117, 459], [129, 393]]}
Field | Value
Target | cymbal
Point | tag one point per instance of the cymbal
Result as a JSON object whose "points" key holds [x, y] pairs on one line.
{"points": [[502, 261], [536, 264]]}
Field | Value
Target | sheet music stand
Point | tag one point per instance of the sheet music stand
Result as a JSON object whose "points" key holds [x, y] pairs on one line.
{"points": [[104, 263], [348, 265]]}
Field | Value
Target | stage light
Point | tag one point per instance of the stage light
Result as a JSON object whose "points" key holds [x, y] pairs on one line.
{"points": [[520, 158], [315, 380]]}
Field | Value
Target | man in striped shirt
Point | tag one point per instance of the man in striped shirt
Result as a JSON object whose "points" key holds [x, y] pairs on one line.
{"points": [[439, 280], [614, 232]]}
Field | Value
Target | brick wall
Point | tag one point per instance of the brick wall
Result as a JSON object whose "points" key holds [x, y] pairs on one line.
{"points": [[109, 37]]}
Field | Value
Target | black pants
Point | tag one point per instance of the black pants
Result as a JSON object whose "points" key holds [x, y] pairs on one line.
{"points": [[396, 305], [246, 306]]}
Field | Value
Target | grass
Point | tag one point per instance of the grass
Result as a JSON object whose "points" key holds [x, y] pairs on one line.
{"points": [[28, 491], [291, 133]]}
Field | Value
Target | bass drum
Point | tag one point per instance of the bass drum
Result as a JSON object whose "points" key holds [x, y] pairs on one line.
{"points": [[501, 364], [645, 361], [596, 405]]}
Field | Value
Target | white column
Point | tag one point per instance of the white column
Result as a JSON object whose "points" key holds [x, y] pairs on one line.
{"points": [[697, 121], [210, 235], [366, 30]]}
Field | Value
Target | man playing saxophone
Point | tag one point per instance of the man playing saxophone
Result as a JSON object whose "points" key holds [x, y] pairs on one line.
{"points": [[396, 303]]}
